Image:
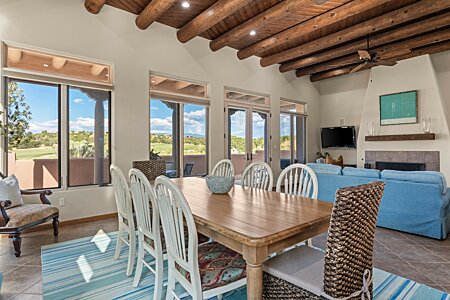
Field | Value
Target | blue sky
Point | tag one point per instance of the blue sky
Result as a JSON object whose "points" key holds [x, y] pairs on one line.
{"points": [[43, 102], [194, 120]]}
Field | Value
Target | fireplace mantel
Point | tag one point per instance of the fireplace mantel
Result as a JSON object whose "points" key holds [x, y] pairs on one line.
{"points": [[401, 137]]}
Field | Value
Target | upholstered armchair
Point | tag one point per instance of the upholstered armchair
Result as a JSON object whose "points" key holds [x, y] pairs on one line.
{"points": [[15, 220]]}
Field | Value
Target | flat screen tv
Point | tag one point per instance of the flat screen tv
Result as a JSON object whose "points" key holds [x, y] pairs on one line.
{"points": [[338, 137]]}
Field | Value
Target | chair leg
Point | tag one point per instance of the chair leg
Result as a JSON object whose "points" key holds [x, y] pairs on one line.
{"points": [[17, 241], [140, 261], [220, 297], [309, 243], [119, 242], [170, 286], [131, 252], [55, 226], [158, 278]]}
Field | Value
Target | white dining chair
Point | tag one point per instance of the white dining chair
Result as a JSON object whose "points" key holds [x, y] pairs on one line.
{"points": [[195, 267], [299, 180], [258, 175], [127, 230], [148, 229], [224, 168]]}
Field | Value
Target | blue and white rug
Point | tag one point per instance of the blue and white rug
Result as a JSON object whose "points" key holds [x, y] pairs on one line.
{"points": [[85, 269]]}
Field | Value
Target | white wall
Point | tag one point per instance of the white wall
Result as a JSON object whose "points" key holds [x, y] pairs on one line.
{"points": [[348, 97], [113, 36], [343, 98]]}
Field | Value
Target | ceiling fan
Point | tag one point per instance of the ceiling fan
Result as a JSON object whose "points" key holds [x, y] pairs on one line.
{"points": [[368, 57]]}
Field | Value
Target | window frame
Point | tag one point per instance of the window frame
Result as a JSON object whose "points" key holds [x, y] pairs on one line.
{"points": [[6, 80], [63, 82], [67, 87]]}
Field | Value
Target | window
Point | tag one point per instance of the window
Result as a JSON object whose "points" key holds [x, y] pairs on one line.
{"points": [[34, 142], [88, 136], [58, 129], [179, 125], [292, 133]]}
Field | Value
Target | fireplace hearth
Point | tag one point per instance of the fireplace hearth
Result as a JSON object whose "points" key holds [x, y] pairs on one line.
{"points": [[400, 166]]}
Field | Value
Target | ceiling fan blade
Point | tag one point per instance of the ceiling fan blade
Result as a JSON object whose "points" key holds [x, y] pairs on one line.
{"points": [[357, 68], [320, 2], [364, 55], [385, 62]]}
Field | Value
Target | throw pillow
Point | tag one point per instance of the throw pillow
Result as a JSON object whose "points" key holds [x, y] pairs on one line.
{"points": [[10, 190], [338, 162]]}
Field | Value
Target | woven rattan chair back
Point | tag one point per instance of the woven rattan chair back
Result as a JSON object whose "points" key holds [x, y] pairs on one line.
{"points": [[224, 168], [349, 249]]}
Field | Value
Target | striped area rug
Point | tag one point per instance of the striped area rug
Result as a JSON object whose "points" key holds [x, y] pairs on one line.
{"points": [[85, 269]]}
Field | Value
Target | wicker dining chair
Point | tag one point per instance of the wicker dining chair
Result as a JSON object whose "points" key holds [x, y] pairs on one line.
{"points": [[344, 270]]}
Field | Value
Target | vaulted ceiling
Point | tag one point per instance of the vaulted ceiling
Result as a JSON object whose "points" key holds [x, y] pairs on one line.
{"points": [[313, 37]]}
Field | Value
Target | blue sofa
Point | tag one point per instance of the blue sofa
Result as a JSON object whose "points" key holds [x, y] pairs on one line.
{"points": [[414, 202]]}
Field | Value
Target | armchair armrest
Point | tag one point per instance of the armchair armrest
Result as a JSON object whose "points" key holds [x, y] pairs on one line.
{"points": [[4, 219], [42, 194]]}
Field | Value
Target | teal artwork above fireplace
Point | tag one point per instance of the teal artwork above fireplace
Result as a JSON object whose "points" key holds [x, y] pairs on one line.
{"points": [[399, 108]]}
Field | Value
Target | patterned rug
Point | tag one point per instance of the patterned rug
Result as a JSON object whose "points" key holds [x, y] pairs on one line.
{"points": [[85, 269]]}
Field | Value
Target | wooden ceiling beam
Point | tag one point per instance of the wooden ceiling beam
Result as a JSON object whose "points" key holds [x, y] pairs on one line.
{"points": [[384, 52], [329, 18], [417, 28], [394, 18], [210, 17], [14, 55], [58, 62], [94, 6], [97, 69], [431, 49], [271, 15], [155, 80], [179, 85], [152, 12]]}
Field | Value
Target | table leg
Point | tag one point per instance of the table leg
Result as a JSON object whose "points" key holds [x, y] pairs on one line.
{"points": [[254, 282], [254, 257]]}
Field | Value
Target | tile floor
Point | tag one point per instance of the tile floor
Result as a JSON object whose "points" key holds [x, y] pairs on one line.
{"points": [[421, 259]]}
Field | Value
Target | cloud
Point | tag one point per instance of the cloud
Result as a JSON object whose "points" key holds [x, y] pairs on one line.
{"points": [[49, 126], [153, 108], [78, 101], [85, 124]]}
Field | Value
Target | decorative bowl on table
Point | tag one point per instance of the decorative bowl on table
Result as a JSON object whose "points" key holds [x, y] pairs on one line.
{"points": [[219, 184]]}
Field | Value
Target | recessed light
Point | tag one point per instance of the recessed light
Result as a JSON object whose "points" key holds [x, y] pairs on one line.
{"points": [[107, 75], [153, 81], [185, 4], [45, 65], [252, 32]]}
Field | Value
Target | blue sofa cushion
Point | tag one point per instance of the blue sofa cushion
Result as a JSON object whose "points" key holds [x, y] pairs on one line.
{"points": [[325, 169], [430, 177], [360, 172]]}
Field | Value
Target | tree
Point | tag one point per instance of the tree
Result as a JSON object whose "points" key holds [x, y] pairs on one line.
{"points": [[19, 117]]}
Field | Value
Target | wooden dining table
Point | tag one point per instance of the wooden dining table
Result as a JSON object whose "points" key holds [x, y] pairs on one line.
{"points": [[254, 222]]}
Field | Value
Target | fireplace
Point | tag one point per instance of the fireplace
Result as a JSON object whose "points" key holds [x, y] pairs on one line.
{"points": [[400, 166], [403, 160]]}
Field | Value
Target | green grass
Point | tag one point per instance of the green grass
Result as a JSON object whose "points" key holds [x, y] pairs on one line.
{"points": [[166, 149], [36, 153]]}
